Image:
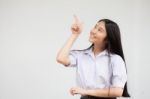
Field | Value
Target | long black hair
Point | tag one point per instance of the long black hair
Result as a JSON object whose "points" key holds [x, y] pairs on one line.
{"points": [[114, 44]]}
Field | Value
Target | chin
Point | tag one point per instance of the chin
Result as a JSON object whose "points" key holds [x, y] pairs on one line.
{"points": [[90, 40]]}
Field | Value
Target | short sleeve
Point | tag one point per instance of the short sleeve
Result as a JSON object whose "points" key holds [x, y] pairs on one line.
{"points": [[119, 75], [73, 54]]}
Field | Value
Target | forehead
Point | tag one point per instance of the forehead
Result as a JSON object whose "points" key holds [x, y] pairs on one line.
{"points": [[101, 24]]}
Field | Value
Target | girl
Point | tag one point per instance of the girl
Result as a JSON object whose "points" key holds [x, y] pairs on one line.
{"points": [[100, 69]]}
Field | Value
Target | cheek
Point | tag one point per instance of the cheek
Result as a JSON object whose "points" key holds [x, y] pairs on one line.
{"points": [[102, 36]]}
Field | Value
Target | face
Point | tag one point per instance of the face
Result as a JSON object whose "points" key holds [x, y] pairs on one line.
{"points": [[98, 33]]}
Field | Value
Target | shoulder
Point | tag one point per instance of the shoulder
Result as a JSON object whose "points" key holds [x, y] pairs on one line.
{"points": [[118, 64], [115, 58]]}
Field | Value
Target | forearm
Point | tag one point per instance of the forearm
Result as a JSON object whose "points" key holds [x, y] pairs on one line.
{"points": [[107, 92], [64, 51]]}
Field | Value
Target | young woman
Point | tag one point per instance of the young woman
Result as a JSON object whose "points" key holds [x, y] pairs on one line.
{"points": [[100, 69]]}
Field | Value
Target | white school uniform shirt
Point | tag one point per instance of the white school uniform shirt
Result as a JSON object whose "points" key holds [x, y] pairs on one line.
{"points": [[98, 72]]}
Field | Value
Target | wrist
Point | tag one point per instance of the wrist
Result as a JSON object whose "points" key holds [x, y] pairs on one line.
{"points": [[85, 92], [75, 35]]}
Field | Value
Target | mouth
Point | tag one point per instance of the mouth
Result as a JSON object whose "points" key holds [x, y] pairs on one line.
{"points": [[92, 36]]}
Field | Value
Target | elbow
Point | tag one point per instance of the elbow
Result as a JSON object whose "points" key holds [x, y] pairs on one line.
{"points": [[59, 60], [118, 93], [63, 61], [115, 94]]}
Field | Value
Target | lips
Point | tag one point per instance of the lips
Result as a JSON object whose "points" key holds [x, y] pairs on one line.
{"points": [[92, 36]]}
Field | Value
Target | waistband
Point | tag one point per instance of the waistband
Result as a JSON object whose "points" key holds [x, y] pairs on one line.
{"points": [[93, 97]]}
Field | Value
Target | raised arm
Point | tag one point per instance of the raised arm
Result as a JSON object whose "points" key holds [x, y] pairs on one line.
{"points": [[63, 54]]}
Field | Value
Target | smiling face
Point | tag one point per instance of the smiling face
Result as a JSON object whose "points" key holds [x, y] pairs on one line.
{"points": [[98, 34]]}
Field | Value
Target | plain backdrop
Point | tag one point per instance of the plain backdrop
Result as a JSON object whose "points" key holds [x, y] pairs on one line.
{"points": [[32, 32]]}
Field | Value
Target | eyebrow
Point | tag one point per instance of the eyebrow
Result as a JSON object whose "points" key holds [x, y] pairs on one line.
{"points": [[99, 27]]}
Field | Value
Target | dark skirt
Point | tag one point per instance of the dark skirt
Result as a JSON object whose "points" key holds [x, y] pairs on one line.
{"points": [[92, 97]]}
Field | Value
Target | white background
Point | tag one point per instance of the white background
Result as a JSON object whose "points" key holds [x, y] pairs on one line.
{"points": [[32, 32]]}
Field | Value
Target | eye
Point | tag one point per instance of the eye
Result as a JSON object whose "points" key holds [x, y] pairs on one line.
{"points": [[101, 30], [95, 26]]}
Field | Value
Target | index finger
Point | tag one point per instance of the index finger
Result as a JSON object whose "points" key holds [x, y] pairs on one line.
{"points": [[76, 18]]}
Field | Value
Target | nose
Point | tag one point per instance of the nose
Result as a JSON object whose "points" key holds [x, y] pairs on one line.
{"points": [[93, 31]]}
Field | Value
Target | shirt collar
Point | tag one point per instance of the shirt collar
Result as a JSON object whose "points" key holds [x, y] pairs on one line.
{"points": [[90, 52]]}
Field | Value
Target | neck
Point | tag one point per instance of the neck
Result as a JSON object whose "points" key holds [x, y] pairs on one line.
{"points": [[97, 49]]}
